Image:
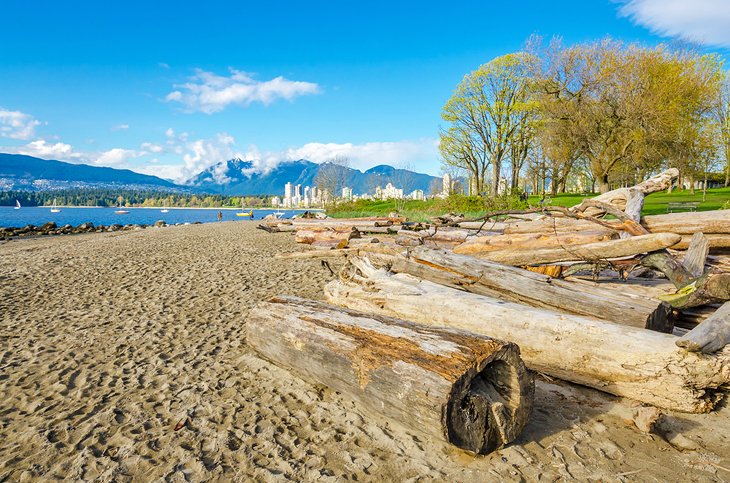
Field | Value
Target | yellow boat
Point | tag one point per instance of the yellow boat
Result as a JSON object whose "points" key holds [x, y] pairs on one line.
{"points": [[243, 213]]}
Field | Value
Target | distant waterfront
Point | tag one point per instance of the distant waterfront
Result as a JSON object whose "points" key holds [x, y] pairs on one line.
{"points": [[37, 215]]}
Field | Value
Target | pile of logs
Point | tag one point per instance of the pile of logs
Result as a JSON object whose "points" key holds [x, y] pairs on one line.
{"points": [[594, 294]]}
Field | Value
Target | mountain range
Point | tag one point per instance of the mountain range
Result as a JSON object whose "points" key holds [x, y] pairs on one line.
{"points": [[232, 177], [26, 173]]}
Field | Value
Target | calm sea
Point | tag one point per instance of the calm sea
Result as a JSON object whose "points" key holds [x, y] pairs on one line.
{"points": [[106, 216]]}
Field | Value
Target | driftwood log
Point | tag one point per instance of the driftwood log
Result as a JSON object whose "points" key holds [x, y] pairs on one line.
{"points": [[629, 196], [636, 363], [517, 285], [469, 390], [583, 252], [482, 244], [711, 335]]}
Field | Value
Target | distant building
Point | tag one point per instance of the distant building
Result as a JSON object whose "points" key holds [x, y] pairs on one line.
{"points": [[447, 185], [275, 202], [417, 195], [347, 193], [389, 192]]}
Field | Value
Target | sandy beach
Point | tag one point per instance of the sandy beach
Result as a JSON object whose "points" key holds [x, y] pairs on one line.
{"points": [[110, 341]]}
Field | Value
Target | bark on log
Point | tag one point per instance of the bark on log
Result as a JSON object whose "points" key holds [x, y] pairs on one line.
{"points": [[711, 335], [469, 390], [517, 285], [636, 363], [482, 244], [587, 252]]}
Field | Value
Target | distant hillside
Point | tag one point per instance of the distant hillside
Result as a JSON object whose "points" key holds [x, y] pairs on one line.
{"points": [[235, 177], [20, 172]]}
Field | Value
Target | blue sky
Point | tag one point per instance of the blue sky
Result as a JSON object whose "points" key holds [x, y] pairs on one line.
{"points": [[169, 88]]}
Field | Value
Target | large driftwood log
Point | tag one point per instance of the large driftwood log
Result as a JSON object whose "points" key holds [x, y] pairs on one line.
{"points": [[711, 335], [623, 196], [326, 235], [636, 363], [587, 252], [708, 222], [715, 242], [482, 244], [469, 390], [517, 285], [689, 223]]}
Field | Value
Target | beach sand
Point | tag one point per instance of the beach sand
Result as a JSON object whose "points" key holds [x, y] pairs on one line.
{"points": [[108, 341]]}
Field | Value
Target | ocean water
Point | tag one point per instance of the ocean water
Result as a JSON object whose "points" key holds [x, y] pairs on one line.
{"points": [[106, 216]]}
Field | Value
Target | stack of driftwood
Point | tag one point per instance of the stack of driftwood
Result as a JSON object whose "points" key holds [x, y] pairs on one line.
{"points": [[594, 294]]}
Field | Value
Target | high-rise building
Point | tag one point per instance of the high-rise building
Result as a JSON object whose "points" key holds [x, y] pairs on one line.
{"points": [[298, 190], [287, 190], [417, 195], [446, 188], [347, 193]]}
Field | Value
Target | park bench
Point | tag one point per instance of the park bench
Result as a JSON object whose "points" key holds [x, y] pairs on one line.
{"points": [[682, 206]]}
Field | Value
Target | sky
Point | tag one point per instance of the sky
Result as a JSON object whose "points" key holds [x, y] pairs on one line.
{"points": [[170, 88]]}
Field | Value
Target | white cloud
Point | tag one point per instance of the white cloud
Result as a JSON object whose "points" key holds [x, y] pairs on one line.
{"points": [[152, 148], [120, 127], [702, 21], [42, 149], [423, 152], [208, 92], [17, 125], [116, 158]]}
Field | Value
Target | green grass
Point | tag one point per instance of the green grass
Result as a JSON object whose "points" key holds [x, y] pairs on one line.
{"points": [[655, 203], [473, 207]]}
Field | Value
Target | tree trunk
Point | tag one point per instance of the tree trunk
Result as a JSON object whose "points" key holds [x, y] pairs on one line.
{"points": [[517, 285], [584, 252], [468, 390], [603, 185], [625, 361]]}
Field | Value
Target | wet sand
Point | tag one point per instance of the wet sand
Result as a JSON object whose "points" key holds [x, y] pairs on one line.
{"points": [[109, 341]]}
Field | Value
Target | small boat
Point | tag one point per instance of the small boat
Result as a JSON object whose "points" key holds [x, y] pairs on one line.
{"points": [[120, 210], [279, 214], [245, 213], [164, 209], [17, 204], [54, 208]]}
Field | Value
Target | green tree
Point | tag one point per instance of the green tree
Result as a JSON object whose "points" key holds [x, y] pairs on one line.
{"points": [[488, 115]]}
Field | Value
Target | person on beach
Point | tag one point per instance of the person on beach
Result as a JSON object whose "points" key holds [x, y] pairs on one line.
{"points": [[220, 216]]}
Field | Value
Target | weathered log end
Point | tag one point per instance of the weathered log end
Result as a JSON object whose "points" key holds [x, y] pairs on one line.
{"points": [[462, 388], [487, 408]]}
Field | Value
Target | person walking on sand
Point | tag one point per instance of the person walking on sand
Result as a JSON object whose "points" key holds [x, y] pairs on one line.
{"points": [[220, 216]]}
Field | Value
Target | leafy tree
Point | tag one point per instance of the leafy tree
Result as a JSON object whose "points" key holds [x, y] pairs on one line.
{"points": [[488, 112]]}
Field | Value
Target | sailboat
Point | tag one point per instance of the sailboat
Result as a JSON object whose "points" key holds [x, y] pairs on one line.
{"points": [[244, 213], [164, 209], [121, 211], [17, 204], [54, 209], [279, 214]]}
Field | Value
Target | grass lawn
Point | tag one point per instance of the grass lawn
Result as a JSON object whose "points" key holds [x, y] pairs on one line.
{"points": [[473, 207], [656, 203]]}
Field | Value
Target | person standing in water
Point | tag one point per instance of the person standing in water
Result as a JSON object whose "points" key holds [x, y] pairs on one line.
{"points": [[220, 216]]}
